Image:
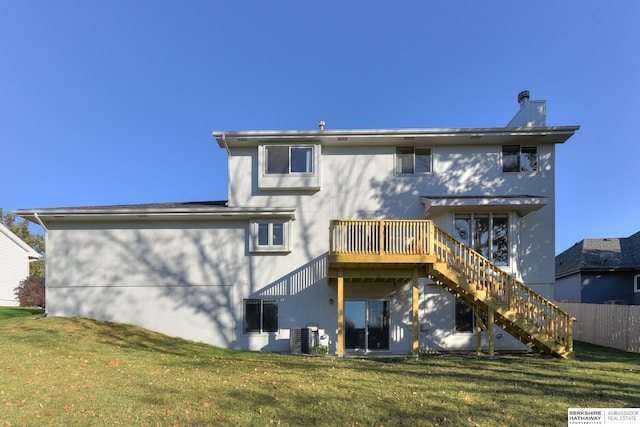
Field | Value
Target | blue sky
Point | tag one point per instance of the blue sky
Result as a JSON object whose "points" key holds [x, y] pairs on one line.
{"points": [[113, 102]]}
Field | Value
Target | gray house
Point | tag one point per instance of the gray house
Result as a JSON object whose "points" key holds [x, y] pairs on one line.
{"points": [[15, 256], [600, 271]]}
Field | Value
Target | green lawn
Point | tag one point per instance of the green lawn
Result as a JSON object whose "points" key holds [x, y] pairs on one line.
{"points": [[78, 372], [8, 312]]}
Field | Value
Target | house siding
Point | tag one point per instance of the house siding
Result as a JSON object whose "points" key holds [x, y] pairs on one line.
{"points": [[178, 279], [600, 287], [569, 288], [14, 268], [190, 278], [168, 269], [360, 182]]}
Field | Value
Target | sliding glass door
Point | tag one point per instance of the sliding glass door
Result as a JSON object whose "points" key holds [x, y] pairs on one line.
{"points": [[366, 325]]}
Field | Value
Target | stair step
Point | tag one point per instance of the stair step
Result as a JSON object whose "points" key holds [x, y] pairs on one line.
{"points": [[509, 320]]}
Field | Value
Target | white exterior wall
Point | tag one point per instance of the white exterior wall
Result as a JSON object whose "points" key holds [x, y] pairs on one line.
{"points": [[437, 326], [189, 278], [14, 268], [359, 182], [178, 279]]}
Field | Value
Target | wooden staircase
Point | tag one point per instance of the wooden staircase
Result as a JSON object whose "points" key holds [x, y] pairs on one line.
{"points": [[496, 296]]}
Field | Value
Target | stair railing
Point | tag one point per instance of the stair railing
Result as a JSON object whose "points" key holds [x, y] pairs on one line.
{"points": [[506, 290]]}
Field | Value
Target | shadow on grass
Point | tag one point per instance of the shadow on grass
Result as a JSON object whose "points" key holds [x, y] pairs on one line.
{"points": [[135, 338], [10, 312], [594, 353]]}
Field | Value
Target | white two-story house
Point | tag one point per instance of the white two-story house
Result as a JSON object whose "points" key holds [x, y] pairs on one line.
{"points": [[364, 241]]}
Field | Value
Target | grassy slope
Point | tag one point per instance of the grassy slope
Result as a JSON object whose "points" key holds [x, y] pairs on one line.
{"points": [[59, 371], [8, 312]]}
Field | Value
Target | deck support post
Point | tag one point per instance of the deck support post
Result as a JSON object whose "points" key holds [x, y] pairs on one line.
{"points": [[569, 337], [478, 334], [340, 343], [490, 332], [415, 299]]}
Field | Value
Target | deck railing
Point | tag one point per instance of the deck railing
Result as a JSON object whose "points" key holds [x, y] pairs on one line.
{"points": [[423, 237], [380, 237]]}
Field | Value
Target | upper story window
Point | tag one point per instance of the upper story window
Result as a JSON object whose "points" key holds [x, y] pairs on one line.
{"points": [[287, 159], [289, 167], [516, 158], [269, 235], [411, 160], [487, 234]]}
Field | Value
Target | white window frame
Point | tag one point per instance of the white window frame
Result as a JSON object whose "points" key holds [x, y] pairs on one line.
{"points": [[521, 156], [636, 283], [490, 244], [290, 149], [398, 168], [255, 226], [289, 180]]}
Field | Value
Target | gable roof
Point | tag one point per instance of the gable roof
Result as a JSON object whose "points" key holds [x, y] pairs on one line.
{"points": [[31, 253], [600, 254]]}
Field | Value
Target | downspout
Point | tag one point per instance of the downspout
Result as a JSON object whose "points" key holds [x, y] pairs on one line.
{"points": [[46, 235], [224, 142], [35, 215]]}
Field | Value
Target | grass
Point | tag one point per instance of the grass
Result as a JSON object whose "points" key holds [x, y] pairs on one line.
{"points": [[8, 312], [79, 372]]}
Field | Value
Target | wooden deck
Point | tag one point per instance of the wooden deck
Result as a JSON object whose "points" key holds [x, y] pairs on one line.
{"points": [[402, 251]]}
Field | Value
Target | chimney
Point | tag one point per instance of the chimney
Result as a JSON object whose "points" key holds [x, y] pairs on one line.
{"points": [[531, 114]]}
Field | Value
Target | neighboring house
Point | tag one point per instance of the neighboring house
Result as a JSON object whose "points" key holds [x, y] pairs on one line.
{"points": [[335, 237], [15, 256], [600, 271]]}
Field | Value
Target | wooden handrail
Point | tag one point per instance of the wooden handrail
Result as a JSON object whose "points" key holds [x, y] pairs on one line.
{"points": [[503, 287]]}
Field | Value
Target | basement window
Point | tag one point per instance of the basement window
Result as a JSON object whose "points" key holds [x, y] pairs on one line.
{"points": [[260, 316], [465, 317]]}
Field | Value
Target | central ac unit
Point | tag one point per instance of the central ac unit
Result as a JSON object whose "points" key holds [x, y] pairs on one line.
{"points": [[300, 341]]}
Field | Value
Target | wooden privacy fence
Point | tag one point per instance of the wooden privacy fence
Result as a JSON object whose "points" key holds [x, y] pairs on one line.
{"points": [[615, 326]]}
